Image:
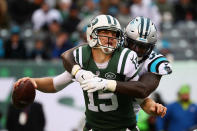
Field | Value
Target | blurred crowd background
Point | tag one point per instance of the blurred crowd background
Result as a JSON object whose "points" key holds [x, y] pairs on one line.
{"points": [[43, 29], [34, 33]]}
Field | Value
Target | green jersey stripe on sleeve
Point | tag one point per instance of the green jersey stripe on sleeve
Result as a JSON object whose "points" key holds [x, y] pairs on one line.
{"points": [[124, 61], [80, 57], [121, 59], [74, 54], [77, 55]]}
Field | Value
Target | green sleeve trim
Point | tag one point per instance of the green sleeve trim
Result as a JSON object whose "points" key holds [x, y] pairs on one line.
{"points": [[86, 55], [124, 61], [77, 55]]}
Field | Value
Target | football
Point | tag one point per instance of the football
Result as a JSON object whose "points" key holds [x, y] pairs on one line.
{"points": [[24, 94]]}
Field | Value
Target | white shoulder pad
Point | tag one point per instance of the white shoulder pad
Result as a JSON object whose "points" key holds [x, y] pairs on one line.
{"points": [[158, 64]]}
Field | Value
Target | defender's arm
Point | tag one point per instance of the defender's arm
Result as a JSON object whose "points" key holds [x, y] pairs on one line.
{"points": [[147, 83], [68, 59], [73, 68], [137, 89], [151, 81]]}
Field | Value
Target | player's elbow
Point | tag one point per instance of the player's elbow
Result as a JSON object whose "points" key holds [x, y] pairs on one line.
{"points": [[143, 92], [53, 90], [64, 56], [65, 60]]}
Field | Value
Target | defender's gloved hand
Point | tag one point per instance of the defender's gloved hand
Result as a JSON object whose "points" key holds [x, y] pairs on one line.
{"points": [[97, 83]]}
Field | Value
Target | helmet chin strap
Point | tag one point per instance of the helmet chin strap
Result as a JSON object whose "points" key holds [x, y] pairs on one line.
{"points": [[140, 58], [107, 50]]}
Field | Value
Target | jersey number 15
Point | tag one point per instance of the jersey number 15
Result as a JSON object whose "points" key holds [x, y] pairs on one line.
{"points": [[103, 107]]}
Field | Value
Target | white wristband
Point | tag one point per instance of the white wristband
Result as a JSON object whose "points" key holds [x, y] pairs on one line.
{"points": [[75, 69], [60, 81], [111, 85]]}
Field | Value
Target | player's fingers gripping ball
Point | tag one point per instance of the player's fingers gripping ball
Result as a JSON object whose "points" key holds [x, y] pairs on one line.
{"points": [[23, 93]]}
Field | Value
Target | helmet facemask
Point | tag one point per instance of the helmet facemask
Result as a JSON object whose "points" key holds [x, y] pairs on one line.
{"points": [[107, 48], [142, 49]]}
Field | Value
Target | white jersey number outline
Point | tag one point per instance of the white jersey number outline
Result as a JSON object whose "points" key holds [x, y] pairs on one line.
{"points": [[103, 107]]}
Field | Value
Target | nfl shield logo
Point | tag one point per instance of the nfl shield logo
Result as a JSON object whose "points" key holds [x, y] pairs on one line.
{"points": [[97, 73]]}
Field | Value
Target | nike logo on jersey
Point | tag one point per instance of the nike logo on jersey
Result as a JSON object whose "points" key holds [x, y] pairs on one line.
{"points": [[82, 77]]}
